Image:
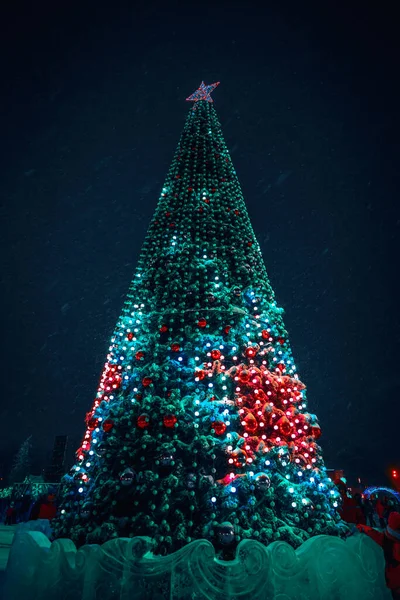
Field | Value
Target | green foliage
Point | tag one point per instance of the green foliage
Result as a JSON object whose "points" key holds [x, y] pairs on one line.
{"points": [[22, 462]]}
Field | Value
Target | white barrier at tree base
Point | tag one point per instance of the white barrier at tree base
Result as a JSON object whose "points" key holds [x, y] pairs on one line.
{"points": [[323, 568]]}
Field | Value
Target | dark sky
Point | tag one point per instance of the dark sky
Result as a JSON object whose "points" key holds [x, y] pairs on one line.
{"points": [[92, 107]]}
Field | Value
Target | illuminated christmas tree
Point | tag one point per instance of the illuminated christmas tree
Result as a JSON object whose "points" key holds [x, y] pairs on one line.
{"points": [[200, 427]]}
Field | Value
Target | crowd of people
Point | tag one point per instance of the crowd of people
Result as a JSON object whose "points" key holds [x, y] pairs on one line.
{"points": [[27, 508], [379, 518], [361, 510]]}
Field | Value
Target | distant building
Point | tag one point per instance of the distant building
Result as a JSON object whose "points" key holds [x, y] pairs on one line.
{"points": [[56, 468]]}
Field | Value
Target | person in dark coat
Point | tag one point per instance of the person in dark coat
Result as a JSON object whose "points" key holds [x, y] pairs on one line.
{"points": [[18, 506], [369, 512], [360, 513], [36, 508], [380, 509], [25, 507], [11, 515], [390, 507]]}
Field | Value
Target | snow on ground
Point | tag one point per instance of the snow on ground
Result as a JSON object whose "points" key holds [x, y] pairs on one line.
{"points": [[6, 538]]}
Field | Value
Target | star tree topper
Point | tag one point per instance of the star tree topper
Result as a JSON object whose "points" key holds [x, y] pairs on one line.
{"points": [[203, 92]]}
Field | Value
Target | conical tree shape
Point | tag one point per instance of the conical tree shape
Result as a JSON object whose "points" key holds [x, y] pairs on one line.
{"points": [[200, 427]]}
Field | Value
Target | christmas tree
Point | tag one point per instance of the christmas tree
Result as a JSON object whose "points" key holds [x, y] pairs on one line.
{"points": [[21, 463], [200, 427]]}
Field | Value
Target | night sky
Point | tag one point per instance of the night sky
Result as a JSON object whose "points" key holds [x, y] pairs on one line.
{"points": [[92, 107]]}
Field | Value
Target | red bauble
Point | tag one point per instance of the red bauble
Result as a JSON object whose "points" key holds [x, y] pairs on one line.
{"points": [[215, 354], [130, 336], [175, 347], [250, 423], [266, 334], [200, 374], [108, 425], [227, 329], [146, 381], [138, 396], [281, 340], [251, 352], [163, 328], [92, 423], [316, 431], [201, 322], [244, 376], [139, 355], [219, 427], [281, 367], [249, 244], [239, 457], [284, 425], [169, 421], [143, 421]]}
